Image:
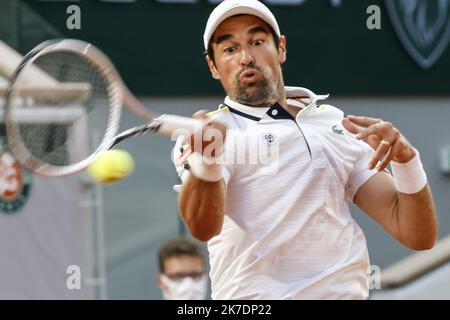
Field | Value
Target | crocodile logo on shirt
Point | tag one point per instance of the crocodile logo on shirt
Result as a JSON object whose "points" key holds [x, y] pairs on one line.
{"points": [[337, 131]]}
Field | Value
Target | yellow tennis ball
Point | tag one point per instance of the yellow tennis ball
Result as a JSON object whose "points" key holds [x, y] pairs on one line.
{"points": [[111, 166]]}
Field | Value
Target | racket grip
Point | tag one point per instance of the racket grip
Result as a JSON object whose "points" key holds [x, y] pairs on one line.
{"points": [[175, 126]]}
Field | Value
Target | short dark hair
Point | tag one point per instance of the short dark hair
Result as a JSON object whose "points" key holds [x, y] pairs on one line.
{"points": [[210, 51], [176, 247]]}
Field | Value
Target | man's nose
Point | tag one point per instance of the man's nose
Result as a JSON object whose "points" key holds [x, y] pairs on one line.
{"points": [[247, 57]]}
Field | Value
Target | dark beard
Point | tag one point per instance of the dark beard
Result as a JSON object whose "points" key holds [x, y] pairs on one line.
{"points": [[264, 91]]}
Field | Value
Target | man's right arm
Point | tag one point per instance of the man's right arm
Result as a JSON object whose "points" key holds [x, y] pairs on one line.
{"points": [[202, 197], [202, 206]]}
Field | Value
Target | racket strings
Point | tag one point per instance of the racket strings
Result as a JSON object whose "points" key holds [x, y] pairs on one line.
{"points": [[59, 101]]}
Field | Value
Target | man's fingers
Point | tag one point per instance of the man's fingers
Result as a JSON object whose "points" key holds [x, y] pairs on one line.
{"points": [[381, 129], [397, 147], [382, 136], [349, 126], [195, 140], [383, 164], [382, 149], [373, 141], [363, 121], [210, 137]]}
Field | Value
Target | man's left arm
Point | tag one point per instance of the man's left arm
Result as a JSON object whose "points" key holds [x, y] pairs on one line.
{"points": [[402, 204]]}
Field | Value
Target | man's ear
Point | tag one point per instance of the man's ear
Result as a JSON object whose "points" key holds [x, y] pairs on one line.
{"points": [[282, 51], [212, 68]]}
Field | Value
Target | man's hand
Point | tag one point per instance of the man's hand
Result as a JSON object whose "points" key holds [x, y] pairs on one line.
{"points": [[383, 137], [209, 140], [409, 218]]}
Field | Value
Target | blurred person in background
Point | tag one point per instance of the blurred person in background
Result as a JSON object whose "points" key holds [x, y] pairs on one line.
{"points": [[182, 270]]}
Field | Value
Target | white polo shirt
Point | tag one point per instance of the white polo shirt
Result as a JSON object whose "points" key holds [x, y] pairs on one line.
{"points": [[288, 232]]}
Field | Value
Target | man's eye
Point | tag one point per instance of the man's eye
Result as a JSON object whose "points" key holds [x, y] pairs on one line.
{"points": [[258, 42], [230, 50]]}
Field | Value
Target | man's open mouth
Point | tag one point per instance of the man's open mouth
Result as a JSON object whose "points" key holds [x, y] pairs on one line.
{"points": [[249, 76]]}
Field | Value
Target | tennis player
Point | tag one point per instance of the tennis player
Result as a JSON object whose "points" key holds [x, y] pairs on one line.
{"points": [[282, 229]]}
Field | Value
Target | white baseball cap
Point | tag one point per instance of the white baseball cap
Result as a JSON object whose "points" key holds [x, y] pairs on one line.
{"points": [[229, 8]]}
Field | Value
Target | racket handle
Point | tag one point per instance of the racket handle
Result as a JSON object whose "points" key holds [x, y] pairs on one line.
{"points": [[171, 124]]}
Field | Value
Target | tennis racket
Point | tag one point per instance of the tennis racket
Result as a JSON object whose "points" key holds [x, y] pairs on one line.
{"points": [[75, 90]]}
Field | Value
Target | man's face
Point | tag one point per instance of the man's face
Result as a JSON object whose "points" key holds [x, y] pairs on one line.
{"points": [[183, 278], [247, 62], [177, 268]]}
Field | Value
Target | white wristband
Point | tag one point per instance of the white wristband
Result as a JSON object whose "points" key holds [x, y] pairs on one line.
{"points": [[409, 177], [205, 169]]}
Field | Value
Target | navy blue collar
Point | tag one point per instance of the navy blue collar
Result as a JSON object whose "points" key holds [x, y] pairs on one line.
{"points": [[276, 111]]}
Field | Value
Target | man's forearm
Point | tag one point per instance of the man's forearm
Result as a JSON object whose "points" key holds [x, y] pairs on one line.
{"points": [[417, 219], [202, 206]]}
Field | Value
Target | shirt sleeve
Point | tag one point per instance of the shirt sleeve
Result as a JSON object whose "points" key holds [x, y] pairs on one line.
{"points": [[360, 173]]}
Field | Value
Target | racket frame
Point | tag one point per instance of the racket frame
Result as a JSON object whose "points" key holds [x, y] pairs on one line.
{"points": [[115, 89]]}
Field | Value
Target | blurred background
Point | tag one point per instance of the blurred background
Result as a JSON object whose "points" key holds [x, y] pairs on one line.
{"points": [[396, 67]]}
